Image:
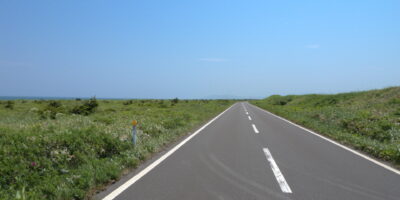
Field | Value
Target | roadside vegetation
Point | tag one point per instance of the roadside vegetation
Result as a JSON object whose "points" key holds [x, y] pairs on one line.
{"points": [[65, 149], [368, 121]]}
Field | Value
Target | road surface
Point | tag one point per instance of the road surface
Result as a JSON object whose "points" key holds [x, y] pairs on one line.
{"points": [[248, 153]]}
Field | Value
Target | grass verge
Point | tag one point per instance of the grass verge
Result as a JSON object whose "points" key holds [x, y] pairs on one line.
{"points": [[368, 121], [63, 149]]}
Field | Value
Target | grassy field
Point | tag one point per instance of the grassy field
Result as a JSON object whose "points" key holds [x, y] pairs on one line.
{"points": [[368, 121], [64, 149]]}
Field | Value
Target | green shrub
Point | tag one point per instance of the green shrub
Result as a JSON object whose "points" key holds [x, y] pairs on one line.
{"points": [[9, 105], [54, 104], [174, 101], [51, 110], [280, 100], [38, 101], [88, 107], [128, 102]]}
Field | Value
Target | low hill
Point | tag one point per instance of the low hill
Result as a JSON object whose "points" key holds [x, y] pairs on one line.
{"points": [[368, 121]]}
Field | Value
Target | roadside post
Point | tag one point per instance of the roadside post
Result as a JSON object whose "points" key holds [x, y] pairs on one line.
{"points": [[134, 123]]}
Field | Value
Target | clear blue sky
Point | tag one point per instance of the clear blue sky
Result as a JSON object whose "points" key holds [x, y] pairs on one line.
{"points": [[197, 49]]}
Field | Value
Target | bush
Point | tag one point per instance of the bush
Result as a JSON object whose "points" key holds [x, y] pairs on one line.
{"points": [[174, 101], [54, 104], [38, 101], [279, 100], [51, 110], [88, 107], [129, 102], [9, 105]]}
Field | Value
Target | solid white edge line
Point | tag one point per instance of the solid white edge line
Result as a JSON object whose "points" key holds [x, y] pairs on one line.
{"points": [[146, 170], [278, 174], [255, 128], [334, 142], [249, 117]]}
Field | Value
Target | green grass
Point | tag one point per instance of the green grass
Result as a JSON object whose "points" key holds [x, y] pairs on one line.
{"points": [[368, 121], [47, 152]]}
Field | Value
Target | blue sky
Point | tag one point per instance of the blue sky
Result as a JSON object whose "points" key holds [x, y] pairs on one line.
{"points": [[197, 49]]}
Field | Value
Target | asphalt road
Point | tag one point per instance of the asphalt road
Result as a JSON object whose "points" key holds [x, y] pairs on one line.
{"points": [[247, 153]]}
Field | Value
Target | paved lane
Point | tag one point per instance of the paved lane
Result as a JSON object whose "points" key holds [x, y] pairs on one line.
{"points": [[247, 153]]}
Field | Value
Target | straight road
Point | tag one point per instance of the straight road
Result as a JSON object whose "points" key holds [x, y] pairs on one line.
{"points": [[248, 153]]}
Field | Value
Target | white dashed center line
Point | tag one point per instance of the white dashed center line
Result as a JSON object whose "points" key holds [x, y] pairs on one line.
{"points": [[278, 174], [255, 128]]}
